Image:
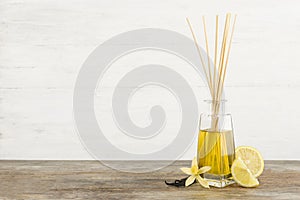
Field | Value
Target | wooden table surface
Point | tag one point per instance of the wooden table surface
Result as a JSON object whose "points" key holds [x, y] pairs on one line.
{"points": [[92, 180]]}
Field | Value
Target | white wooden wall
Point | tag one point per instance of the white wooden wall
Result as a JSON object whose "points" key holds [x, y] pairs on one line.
{"points": [[44, 42]]}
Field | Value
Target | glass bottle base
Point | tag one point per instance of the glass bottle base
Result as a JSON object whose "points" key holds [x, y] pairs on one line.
{"points": [[219, 181]]}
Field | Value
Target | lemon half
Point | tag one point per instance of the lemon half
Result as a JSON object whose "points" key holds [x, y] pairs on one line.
{"points": [[251, 158]]}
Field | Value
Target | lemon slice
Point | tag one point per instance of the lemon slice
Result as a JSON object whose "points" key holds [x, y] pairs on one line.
{"points": [[242, 175], [252, 159]]}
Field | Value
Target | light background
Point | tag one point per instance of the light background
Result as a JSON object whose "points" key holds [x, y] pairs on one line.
{"points": [[44, 42]]}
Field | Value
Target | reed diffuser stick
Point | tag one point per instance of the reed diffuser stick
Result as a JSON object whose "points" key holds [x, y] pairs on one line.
{"points": [[216, 53], [222, 55], [207, 53], [199, 52], [228, 52]]}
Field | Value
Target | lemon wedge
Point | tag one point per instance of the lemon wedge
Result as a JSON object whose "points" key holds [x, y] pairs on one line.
{"points": [[252, 159], [242, 175]]}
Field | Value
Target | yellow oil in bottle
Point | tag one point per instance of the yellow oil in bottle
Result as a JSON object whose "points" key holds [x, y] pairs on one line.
{"points": [[216, 149]]}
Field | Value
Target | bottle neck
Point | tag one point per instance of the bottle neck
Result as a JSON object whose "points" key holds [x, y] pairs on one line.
{"points": [[216, 107]]}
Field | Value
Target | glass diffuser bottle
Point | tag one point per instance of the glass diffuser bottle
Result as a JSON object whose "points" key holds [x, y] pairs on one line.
{"points": [[216, 144], [215, 141]]}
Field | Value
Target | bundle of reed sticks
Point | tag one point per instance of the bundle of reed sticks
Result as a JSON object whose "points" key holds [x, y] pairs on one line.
{"points": [[215, 78]]}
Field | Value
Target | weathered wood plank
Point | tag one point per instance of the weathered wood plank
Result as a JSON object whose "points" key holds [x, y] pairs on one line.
{"points": [[92, 180]]}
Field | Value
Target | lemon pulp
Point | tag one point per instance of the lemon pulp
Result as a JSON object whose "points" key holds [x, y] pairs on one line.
{"points": [[242, 175], [251, 158]]}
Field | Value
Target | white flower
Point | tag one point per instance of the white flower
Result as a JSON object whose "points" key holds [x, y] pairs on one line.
{"points": [[194, 173]]}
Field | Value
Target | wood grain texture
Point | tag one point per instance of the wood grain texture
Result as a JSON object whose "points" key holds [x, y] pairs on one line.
{"points": [[91, 180]]}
